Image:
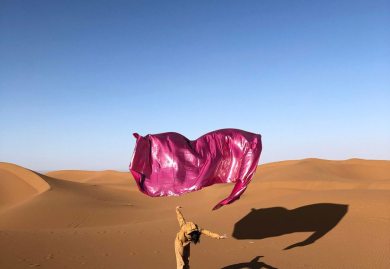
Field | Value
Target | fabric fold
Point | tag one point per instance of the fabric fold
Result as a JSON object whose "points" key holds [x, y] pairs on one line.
{"points": [[169, 164]]}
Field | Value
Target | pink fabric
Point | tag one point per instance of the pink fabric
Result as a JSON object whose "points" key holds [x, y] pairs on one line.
{"points": [[169, 164]]}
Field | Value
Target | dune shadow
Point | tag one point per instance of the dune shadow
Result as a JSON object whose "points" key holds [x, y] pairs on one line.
{"points": [[253, 264], [269, 222]]}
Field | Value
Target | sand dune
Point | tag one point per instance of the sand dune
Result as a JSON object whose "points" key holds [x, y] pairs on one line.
{"points": [[74, 175], [308, 213], [18, 184], [325, 174], [107, 177]]}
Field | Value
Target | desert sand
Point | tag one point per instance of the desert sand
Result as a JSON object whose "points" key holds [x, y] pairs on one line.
{"points": [[309, 213]]}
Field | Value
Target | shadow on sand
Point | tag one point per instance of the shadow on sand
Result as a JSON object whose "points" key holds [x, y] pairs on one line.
{"points": [[253, 264], [275, 221]]}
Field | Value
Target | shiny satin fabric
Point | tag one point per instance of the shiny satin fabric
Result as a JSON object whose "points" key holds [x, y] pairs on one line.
{"points": [[169, 164]]}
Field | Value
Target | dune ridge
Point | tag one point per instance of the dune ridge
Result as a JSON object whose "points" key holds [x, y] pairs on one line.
{"points": [[89, 176], [18, 184], [319, 174]]}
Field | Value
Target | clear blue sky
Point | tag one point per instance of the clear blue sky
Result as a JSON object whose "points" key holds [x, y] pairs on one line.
{"points": [[77, 78]]}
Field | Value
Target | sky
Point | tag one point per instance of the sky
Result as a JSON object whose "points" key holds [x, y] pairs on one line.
{"points": [[77, 78]]}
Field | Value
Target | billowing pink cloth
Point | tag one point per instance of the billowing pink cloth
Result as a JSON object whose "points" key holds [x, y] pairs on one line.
{"points": [[169, 164]]}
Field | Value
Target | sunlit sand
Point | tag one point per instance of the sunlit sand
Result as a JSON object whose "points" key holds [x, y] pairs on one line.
{"points": [[309, 213]]}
